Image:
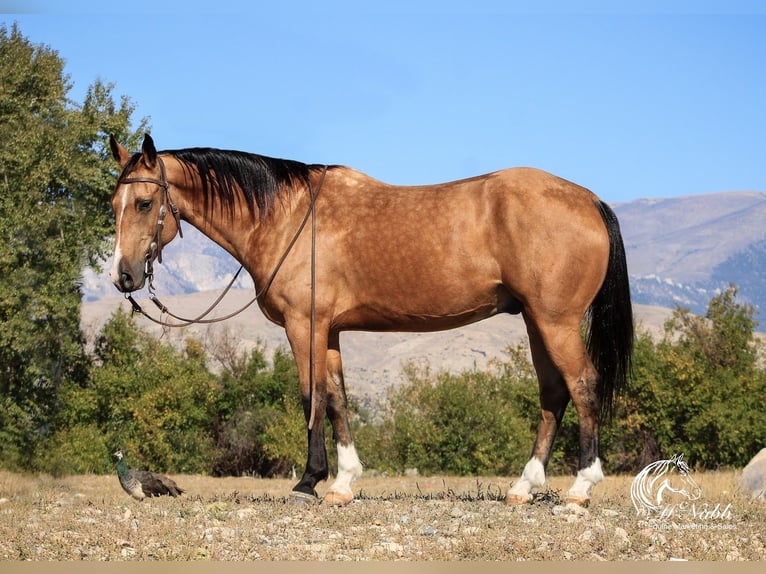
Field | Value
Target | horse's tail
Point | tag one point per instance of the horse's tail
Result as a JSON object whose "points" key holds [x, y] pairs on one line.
{"points": [[610, 332]]}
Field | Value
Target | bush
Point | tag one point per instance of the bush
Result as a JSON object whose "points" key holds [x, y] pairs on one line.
{"points": [[700, 390], [457, 424], [142, 396]]}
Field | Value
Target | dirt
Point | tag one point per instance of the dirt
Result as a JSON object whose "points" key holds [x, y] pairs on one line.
{"points": [[392, 518]]}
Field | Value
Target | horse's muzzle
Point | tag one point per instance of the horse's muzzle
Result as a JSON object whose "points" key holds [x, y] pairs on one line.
{"points": [[126, 283], [128, 280]]}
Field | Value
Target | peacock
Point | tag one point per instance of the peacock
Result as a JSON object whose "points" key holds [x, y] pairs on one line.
{"points": [[142, 483]]}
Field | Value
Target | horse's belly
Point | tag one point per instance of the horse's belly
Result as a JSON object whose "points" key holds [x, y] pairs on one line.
{"points": [[418, 314]]}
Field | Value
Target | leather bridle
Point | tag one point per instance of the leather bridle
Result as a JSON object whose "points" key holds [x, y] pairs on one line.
{"points": [[165, 199]]}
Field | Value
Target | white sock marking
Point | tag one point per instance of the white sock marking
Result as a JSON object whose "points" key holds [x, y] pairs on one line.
{"points": [[586, 478], [532, 477], [349, 468]]}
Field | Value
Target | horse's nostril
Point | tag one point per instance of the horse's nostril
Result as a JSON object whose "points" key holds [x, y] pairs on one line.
{"points": [[126, 282]]}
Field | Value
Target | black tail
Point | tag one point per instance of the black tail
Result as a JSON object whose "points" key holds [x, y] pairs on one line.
{"points": [[610, 333]]}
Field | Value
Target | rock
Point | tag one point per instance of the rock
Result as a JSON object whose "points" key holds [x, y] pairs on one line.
{"points": [[753, 479], [622, 536]]}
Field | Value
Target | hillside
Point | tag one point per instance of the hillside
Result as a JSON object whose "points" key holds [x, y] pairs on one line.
{"points": [[680, 251]]}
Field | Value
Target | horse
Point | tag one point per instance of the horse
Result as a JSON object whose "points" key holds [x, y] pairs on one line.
{"points": [[659, 480], [380, 257]]}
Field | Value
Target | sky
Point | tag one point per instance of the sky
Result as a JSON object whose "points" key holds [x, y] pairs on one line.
{"points": [[650, 99]]}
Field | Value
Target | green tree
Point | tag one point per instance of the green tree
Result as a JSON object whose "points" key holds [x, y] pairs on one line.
{"points": [[55, 184], [144, 396], [262, 428], [699, 390]]}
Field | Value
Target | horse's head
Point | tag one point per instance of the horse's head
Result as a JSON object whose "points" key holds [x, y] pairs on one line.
{"points": [[141, 201]]}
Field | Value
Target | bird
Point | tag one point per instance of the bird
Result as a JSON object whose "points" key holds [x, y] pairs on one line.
{"points": [[142, 483]]}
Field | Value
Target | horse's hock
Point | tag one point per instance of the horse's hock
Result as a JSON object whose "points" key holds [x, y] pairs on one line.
{"points": [[753, 479]]}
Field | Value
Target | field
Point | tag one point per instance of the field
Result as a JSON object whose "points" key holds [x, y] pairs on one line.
{"points": [[394, 518]]}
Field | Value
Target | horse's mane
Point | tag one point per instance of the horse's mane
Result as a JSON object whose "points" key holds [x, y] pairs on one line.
{"points": [[261, 181]]}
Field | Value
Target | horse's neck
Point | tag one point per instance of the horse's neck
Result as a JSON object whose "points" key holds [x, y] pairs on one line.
{"points": [[238, 235]]}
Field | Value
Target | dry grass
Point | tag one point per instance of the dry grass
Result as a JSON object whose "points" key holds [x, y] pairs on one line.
{"points": [[399, 518]]}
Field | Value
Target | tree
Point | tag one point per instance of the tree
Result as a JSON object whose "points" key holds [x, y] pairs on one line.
{"points": [[470, 423], [55, 184], [700, 390], [142, 396]]}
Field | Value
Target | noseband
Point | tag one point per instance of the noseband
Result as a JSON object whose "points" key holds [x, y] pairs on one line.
{"points": [[165, 199]]}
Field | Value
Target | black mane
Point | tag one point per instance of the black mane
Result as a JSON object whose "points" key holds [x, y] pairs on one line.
{"points": [[262, 180]]}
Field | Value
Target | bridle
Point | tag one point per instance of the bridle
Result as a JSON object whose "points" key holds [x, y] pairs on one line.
{"points": [[156, 244], [165, 198]]}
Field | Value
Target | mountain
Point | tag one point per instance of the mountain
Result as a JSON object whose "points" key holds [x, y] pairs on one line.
{"points": [[682, 251], [372, 362]]}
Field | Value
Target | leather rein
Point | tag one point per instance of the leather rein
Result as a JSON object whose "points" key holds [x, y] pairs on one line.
{"points": [[156, 244]]}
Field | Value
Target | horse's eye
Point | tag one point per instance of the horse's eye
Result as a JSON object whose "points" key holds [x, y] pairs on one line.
{"points": [[144, 204]]}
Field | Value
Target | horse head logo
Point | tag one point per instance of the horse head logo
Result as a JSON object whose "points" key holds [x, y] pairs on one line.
{"points": [[661, 483]]}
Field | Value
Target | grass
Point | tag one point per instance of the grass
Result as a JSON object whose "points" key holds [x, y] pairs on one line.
{"points": [[393, 518]]}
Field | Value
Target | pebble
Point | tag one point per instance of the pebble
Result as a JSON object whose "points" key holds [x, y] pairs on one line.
{"points": [[622, 536], [392, 547], [243, 513]]}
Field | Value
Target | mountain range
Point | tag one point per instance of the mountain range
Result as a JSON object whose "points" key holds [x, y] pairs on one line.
{"points": [[683, 250]]}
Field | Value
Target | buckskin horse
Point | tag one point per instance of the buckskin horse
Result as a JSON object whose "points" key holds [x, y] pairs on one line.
{"points": [[378, 257]]}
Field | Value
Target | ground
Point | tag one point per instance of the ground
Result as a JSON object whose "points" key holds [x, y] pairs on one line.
{"points": [[393, 518]]}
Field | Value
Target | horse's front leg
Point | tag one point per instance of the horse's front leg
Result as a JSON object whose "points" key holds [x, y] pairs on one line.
{"points": [[349, 465], [314, 398]]}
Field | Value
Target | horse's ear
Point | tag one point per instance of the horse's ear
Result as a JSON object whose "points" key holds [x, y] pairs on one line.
{"points": [[119, 153], [148, 151]]}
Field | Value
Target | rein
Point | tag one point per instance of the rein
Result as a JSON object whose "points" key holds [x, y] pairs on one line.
{"points": [[200, 319]]}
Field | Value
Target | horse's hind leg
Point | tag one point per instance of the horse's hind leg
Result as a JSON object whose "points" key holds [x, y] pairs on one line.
{"points": [[567, 353], [349, 466], [554, 398]]}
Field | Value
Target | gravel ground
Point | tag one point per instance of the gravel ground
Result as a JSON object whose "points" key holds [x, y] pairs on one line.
{"points": [[393, 518]]}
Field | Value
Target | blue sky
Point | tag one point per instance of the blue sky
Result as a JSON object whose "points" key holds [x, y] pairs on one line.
{"points": [[658, 100]]}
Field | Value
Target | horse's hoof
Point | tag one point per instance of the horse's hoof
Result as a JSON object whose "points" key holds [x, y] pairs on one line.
{"points": [[517, 499], [302, 499], [578, 500], [337, 498]]}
